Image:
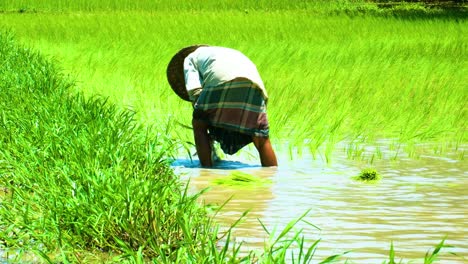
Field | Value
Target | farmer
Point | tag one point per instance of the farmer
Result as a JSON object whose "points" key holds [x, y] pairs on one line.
{"points": [[228, 97]]}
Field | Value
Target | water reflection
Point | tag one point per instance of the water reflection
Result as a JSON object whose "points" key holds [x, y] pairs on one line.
{"points": [[253, 200], [418, 203]]}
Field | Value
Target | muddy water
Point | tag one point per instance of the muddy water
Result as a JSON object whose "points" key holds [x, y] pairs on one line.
{"points": [[417, 204]]}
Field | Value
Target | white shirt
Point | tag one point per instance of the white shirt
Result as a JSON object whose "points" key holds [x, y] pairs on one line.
{"points": [[212, 66]]}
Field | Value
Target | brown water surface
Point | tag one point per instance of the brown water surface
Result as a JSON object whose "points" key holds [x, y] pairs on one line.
{"points": [[417, 204]]}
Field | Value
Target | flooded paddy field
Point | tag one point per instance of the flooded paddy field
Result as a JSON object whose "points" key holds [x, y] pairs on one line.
{"points": [[354, 73], [417, 203]]}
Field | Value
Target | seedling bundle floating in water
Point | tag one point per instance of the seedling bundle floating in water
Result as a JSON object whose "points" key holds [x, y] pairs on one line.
{"points": [[242, 179], [368, 175]]}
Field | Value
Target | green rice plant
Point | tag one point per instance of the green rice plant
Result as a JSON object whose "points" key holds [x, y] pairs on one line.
{"points": [[243, 5], [279, 246], [352, 76], [429, 258], [350, 7], [391, 256], [241, 179], [82, 178], [368, 175]]}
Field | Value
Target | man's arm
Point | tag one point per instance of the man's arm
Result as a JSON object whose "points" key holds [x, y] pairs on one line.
{"points": [[202, 142]]}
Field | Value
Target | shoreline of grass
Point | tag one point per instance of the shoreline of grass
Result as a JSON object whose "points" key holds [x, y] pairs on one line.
{"points": [[78, 172]]}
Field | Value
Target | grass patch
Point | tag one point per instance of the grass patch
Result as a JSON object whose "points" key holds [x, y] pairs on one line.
{"points": [[80, 173]]}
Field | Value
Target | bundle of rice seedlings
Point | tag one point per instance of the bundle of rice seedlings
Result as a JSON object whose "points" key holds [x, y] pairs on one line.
{"points": [[241, 179], [367, 175]]}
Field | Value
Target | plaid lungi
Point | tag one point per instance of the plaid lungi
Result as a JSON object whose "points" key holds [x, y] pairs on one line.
{"points": [[235, 112]]}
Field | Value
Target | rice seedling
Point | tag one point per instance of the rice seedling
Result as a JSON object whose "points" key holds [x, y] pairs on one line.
{"points": [[368, 175], [429, 258], [278, 246], [242, 180]]}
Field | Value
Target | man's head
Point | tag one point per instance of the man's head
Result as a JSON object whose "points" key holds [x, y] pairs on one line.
{"points": [[175, 71]]}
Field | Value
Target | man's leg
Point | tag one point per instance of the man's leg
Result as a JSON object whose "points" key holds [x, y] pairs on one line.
{"points": [[265, 150], [202, 142]]}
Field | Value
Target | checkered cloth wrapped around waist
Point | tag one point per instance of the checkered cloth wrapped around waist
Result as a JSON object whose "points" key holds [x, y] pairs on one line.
{"points": [[235, 112]]}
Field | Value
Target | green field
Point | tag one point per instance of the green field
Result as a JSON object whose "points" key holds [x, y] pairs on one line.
{"points": [[336, 72], [81, 181], [333, 73]]}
